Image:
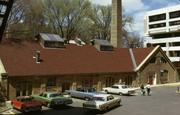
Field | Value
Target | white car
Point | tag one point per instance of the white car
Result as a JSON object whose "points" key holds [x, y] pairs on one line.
{"points": [[102, 102], [120, 89]]}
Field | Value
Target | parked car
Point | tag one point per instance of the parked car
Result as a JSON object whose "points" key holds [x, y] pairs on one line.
{"points": [[102, 102], [120, 89], [26, 104], [51, 99], [82, 93]]}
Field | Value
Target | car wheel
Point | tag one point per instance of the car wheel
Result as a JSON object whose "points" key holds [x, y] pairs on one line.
{"points": [[107, 108], [48, 105], [118, 103], [86, 98], [120, 93], [106, 91]]}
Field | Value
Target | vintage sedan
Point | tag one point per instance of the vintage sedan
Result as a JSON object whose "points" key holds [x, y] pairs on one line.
{"points": [[51, 99], [82, 93], [120, 89], [102, 102], [26, 104]]}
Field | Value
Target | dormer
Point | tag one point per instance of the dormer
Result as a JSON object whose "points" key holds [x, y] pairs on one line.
{"points": [[51, 40], [102, 45]]}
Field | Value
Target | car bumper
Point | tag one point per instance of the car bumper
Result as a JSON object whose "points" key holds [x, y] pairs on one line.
{"points": [[30, 109]]}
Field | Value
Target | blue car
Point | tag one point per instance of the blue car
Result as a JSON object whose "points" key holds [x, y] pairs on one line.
{"points": [[82, 93]]}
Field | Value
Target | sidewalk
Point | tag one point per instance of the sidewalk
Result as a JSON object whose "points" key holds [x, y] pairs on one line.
{"points": [[168, 84], [6, 107]]}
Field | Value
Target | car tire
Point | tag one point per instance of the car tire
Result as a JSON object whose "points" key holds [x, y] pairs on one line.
{"points": [[107, 108], [120, 93], [118, 103], [106, 91], [87, 98], [48, 105]]}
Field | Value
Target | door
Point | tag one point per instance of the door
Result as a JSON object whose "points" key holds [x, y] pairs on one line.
{"points": [[23, 88], [65, 86], [151, 79]]}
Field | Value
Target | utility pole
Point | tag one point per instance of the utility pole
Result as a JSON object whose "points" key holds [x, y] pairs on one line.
{"points": [[5, 9]]}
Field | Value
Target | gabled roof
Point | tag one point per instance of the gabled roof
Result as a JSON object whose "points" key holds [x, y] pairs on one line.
{"points": [[18, 60], [151, 55]]}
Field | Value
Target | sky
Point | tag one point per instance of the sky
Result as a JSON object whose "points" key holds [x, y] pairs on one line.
{"points": [[138, 8]]}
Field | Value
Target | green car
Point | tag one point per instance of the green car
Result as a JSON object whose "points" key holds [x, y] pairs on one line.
{"points": [[51, 99]]}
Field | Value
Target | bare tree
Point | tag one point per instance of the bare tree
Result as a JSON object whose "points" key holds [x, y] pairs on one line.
{"points": [[64, 16]]}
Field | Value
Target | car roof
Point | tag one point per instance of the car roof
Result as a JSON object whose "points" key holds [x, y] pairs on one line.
{"points": [[102, 95], [51, 93], [119, 85]]}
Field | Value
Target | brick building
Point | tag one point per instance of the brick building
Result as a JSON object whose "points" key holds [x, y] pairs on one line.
{"points": [[30, 67]]}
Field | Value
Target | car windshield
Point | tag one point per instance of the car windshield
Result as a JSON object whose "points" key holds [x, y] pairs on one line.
{"points": [[98, 99], [91, 90], [124, 86], [55, 95]]}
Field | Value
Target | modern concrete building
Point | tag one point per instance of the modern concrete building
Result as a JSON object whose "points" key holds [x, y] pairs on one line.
{"points": [[163, 25], [116, 24]]}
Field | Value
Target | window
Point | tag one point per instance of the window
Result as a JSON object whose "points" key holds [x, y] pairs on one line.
{"points": [[173, 23], [163, 60], [110, 98], [115, 87], [44, 95], [3, 9], [18, 92], [163, 73], [175, 14], [160, 25], [125, 86], [51, 82], [55, 95], [53, 44], [98, 98], [157, 17], [153, 60]]}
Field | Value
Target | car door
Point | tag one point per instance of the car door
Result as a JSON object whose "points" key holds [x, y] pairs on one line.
{"points": [[111, 102], [114, 89]]}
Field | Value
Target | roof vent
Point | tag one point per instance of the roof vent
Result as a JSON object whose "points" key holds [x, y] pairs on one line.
{"points": [[38, 57], [77, 41], [102, 45]]}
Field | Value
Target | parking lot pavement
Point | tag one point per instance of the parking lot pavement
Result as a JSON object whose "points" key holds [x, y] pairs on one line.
{"points": [[163, 101]]}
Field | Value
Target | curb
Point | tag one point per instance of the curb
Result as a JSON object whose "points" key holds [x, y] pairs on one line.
{"points": [[168, 84]]}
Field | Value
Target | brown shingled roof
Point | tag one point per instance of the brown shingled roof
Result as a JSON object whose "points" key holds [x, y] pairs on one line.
{"points": [[18, 59], [140, 54]]}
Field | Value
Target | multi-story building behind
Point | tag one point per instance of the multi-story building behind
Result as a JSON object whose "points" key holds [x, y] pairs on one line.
{"points": [[163, 26]]}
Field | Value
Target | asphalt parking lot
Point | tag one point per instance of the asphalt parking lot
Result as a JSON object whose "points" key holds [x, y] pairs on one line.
{"points": [[163, 101]]}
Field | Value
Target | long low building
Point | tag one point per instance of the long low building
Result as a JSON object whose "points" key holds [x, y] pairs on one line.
{"points": [[47, 64]]}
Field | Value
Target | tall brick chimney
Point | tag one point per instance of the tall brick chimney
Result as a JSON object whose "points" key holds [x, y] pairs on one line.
{"points": [[116, 24]]}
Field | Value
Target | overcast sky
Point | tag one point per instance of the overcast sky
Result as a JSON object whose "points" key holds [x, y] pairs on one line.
{"points": [[137, 9]]}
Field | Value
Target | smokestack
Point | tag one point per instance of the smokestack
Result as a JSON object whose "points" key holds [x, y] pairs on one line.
{"points": [[116, 24]]}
